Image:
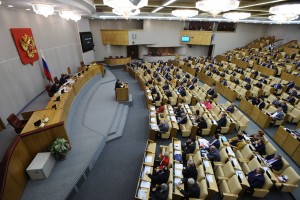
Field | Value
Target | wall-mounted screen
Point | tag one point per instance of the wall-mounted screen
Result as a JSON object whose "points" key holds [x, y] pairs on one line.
{"points": [[87, 42], [185, 39]]}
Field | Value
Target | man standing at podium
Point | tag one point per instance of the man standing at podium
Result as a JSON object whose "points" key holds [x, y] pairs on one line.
{"points": [[118, 84]]}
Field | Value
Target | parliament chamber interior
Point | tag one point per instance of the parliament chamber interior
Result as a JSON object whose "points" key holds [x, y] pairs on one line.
{"points": [[149, 99]]}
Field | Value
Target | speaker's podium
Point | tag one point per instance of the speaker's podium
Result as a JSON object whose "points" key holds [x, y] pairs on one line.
{"points": [[122, 93]]}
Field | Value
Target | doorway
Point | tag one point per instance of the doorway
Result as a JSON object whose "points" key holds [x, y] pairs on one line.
{"points": [[133, 51]]}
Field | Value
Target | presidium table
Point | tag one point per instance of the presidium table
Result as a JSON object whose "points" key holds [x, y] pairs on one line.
{"points": [[43, 127]]}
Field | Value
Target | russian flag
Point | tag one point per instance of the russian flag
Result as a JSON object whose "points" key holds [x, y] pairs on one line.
{"points": [[46, 69]]}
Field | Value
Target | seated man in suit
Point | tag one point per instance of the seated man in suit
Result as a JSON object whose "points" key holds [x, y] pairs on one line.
{"points": [[182, 119], [118, 84], [256, 178], [191, 86], [211, 91], [62, 79], [247, 86], [291, 99], [224, 82], [290, 85], [247, 79], [215, 142], [54, 87], [293, 93], [274, 161], [182, 91], [153, 90], [222, 121], [236, 81], [166, 86], [277, 86], [260, 146], [263, 80], [163, 126], [160, 176], [194, 80], [202, 124], [213, 154], [157, 98], [259, 85], [178, 111], [160, 192], [191, 191], [261, 104], [230, 108], [168, 93], [190, 171], [276, 102], [277, 115], [188, 147], [255, 101], [284, 107]]}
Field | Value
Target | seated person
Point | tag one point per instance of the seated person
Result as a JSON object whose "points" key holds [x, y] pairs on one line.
{"points": [[277, 115], [190, 171], [191, 191], [224, 82], [166, 86], [259, 135], [236, 81], [163, 161], [274, 161], [54, 87], [260, 146], [263, 80], [160, 192], [248, 86], [211, 91], [259, 85], [256, 178], [62, 79], [179, 110], [182, 91], [277, 86], [222, 121], [182, 119], [202, 124], [156, 98], [291, 99], [237, 143], [276, 102], [284, 107], [293, 93], [261, 104], [149, 82], [163, 127], [191, 86], [290, 85], [161, 108], [208, 104], [188, 147], [194, 80], [160, 176], [247, 79], [230, 108], [215, 141], [255, 101], [168, 93], [213, 154], [153, 90]]}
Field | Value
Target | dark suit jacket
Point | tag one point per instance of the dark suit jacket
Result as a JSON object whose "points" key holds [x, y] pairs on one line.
{"points": [[189, 149], [290, 85], [222, 122], [256, 181], [157, 98], [291, 100], [284, 108], [214, 156], [248, 87], [159, 195], [211, 92], [277, 165], [230, 109], [190, 172], [183, 120], [191, 192], [202, 124], [216, 143], [261, 149], [159, 177], [261, 105]]}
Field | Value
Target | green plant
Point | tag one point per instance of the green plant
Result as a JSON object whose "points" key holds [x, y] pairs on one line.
{"points": [[59, 148]]}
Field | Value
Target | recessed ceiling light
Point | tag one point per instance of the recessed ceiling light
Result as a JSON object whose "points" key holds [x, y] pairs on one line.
{"points": [[10, 6]]}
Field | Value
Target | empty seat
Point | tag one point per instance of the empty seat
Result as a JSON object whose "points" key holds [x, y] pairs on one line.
{"points": [[16, 123], [292, 183], [231, 188]]}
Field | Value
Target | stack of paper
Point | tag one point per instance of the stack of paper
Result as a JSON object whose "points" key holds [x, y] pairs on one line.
{"points": [[154, 127], [178, 166], [206, 163], [178, 173], [240, 174], [145, 184], [230, 152], [142, 194], [203, 142], [152, 120], [177, 180], [148, 159], [147, 169], [173, 118], [177, 152], [209, 178]]}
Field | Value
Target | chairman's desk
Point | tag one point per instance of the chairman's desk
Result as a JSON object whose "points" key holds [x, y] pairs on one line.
{"points": [[60, 113], [117, 61]]}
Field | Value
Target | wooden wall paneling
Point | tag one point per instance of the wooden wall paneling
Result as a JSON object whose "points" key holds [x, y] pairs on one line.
{"points": [[114, 37], [197, 37]]}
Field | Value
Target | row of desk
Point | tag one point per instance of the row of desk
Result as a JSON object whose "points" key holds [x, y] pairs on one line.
{"points": [[117, 61], [289, 143]]}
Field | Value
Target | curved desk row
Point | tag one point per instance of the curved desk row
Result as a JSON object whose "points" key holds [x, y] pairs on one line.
{"points": [[32, 140], [117, 61]]}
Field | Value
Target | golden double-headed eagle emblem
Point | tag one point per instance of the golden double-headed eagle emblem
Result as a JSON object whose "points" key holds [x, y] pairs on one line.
{"points": [[28, 45]]}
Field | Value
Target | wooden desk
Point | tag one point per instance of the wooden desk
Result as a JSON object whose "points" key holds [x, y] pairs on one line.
{"points": [[280, 136], [152, 155], [117, 61], [122, 94], [255, 113], [246, 107], [263, 120], [290, 145]]}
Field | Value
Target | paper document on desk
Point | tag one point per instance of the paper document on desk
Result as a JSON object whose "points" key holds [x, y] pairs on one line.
{"points": [[152, 120], [177, 180], [152, 114], [152, 108], [206, 163], [147, 169], [235, 162], [150, 97], [142, 194], [154, 127], [173, 118], [230, 152], [148, 159], [177, 152], [240, 174], [178, 173], [186, 106], [171, 112], [176, 147], [178, 166], [145, 184], [246, 137], [203, 142], [209, 178], [148, 91]]}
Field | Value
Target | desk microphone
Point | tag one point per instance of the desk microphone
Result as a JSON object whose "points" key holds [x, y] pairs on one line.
{"points": [[54, 107]]}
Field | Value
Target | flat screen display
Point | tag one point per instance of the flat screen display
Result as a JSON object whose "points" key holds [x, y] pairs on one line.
{"points": [[185, 38], [87, 42]]}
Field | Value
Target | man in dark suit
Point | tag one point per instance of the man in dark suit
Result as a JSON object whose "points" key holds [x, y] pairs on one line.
{"points": [[293, 55], [293, 93], [290, 85], [202, 124], [191, 191], [157, 98], [190, 171], [261, 104], [274, 161], [191, 86], [259, 85], [182, 119], [194, 80], [236, 81], [247, 86], [223, 121], [166, 86], [168, 93], [160, 176], [230, 108], [256, 178], [284, 107], [211, 91], [188, 147], [215, 141], [160, 192], [255, 101], [118, 84], [213, 154], [291, 99], [263, 80]]}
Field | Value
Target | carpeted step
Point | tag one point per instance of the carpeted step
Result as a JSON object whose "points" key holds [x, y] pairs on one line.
{"points": [[121, 124], [117, 117]]}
